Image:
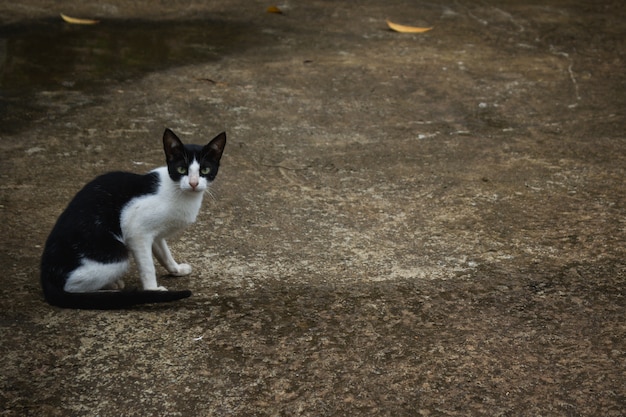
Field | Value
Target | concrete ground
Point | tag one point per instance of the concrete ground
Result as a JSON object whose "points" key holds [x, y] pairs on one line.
{"points": [[404, 224]]}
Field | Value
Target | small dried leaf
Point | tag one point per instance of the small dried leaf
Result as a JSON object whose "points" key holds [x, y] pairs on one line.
{"points": [[77, 21], [406, 29], [274, 9]]}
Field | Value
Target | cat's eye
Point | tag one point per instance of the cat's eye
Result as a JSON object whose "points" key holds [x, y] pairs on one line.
{"points": [[182, 170], [205, 171]]}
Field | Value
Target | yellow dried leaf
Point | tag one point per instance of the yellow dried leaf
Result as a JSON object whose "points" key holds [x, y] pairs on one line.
{"points": [[77, 21], [274, 9], [406, 29]]}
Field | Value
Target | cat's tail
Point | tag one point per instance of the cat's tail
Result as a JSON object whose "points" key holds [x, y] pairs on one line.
{"points": [[110, 300]]}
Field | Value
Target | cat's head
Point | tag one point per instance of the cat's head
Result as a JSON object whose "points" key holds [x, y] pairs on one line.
{"points": [[194, 167]]}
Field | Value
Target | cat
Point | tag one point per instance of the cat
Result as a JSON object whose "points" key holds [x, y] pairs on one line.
{"points": [[121, 213]]}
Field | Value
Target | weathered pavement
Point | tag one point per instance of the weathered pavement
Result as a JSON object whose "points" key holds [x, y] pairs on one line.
{"points": [[403, 225]]}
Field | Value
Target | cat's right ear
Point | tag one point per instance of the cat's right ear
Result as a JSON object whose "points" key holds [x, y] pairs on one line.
{"points": [[172, 145]]}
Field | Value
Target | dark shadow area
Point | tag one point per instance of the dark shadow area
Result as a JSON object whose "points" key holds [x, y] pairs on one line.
{"points": [[50, 58]]}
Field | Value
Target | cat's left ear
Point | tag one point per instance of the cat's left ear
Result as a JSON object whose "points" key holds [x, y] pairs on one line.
{"points": [[172, 145], [215, 148]]}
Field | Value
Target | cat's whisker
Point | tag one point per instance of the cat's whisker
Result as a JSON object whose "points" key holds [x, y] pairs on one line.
{"points": [[211, 193]]}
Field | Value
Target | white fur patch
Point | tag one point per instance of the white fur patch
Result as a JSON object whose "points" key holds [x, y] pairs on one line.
{"points": [[162, 214], [146, 221], [193, 181], [94, 276]]}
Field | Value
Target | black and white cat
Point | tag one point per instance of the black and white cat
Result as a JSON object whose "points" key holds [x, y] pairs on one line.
{"points": [[121, 213]]}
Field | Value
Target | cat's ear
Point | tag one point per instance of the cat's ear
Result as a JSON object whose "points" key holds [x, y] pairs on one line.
{"points": [[215, 148], [172, 145]]}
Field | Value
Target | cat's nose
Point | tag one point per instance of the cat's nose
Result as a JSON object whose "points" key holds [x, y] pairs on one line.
{"points": [[193, 183]]}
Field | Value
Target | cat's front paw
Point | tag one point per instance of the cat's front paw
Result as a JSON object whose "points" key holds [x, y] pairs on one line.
{"points": [[160, 288], [181, 270]]}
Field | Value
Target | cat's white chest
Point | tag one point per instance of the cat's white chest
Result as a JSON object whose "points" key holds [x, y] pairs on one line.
{"points": [[167, 212]]}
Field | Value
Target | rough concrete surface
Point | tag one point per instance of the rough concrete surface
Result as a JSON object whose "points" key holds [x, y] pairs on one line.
{"points": [[404, 224]]}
